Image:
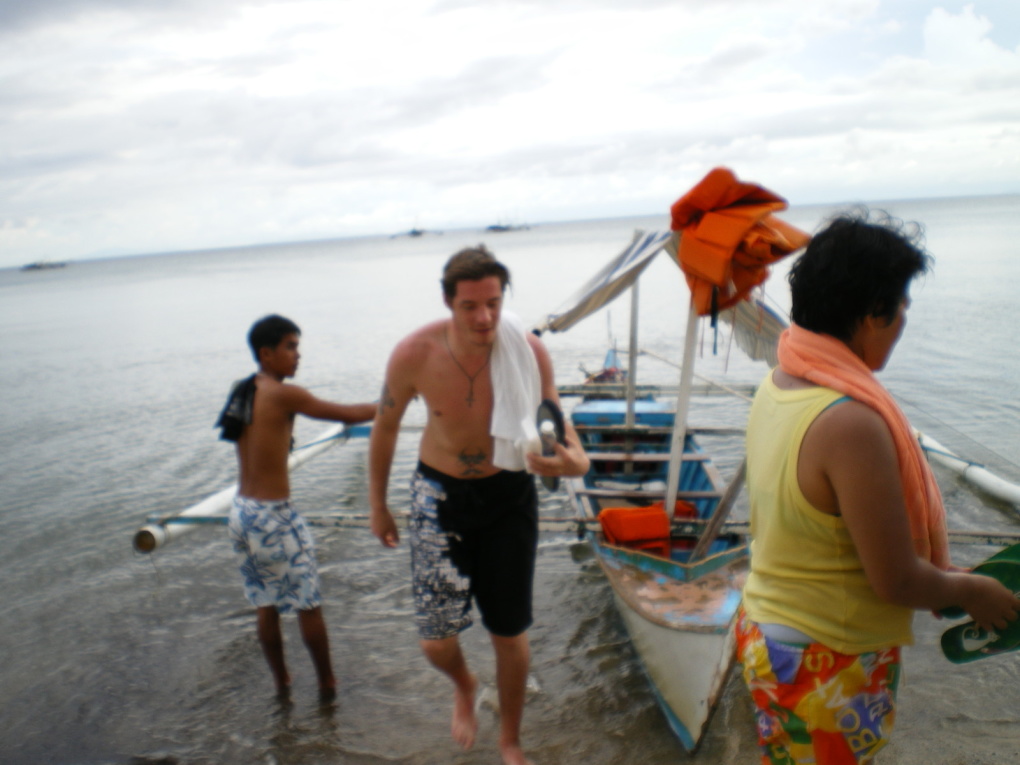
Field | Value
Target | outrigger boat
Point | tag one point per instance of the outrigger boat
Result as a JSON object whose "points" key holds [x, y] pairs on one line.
{"points": [[676, 574], [676, 579]]}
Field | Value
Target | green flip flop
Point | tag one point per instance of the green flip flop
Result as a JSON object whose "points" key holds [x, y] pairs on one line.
{"points": [[1006, 554], [967, 642]]}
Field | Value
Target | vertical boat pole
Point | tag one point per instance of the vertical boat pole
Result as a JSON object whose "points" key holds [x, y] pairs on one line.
{"points": [[632, 353], [683, 405]]}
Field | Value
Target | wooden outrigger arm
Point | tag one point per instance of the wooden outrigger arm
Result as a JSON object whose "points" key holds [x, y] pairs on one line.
{"points": [[558, 524], [214, 509]]}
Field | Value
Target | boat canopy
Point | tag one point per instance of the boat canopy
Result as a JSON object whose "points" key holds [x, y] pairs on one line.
{"points": [[724, 237], [756, 326], [603, 288]]}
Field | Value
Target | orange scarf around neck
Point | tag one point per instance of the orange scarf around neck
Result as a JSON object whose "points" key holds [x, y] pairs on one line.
{"points": [[826, 361]]}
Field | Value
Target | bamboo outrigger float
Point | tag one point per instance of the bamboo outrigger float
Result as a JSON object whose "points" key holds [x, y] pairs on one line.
{"points": [[976, 475], [158, 531]]}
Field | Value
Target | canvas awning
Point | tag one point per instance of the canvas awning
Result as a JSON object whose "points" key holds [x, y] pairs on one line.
{"points": [[603, 288]]}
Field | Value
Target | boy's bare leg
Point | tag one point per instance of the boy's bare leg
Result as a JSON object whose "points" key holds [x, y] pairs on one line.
{"points": [[268, 627], [446, 656], [512, 658], [313, 632]]}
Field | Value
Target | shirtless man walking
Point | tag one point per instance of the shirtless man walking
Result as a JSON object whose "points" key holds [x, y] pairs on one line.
{"points": [[473, 525], [279, 566]]}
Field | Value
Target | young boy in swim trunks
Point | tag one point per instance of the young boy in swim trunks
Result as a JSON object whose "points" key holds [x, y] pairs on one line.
{"points": [[473, 525], [279, 566], [848, 527]]}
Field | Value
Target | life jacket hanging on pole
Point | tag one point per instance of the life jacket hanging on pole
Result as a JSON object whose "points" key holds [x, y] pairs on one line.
{"points": [[728, 238]]}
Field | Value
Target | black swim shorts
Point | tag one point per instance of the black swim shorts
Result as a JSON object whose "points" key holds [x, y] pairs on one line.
{"points": [[472, 539]]}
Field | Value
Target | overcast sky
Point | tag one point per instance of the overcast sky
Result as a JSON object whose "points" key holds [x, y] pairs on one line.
{"points": [[139, 126]]}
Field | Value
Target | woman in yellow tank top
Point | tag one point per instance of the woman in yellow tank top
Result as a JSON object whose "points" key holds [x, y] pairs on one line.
{"points": [[847, 524]]}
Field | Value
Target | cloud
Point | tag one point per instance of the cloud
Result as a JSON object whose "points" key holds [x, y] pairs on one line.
{"points": [[960, 41], [21, 16], [154, 126]]}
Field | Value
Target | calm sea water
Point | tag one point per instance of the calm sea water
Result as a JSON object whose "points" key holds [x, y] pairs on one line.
{"points": [[114, 371]]}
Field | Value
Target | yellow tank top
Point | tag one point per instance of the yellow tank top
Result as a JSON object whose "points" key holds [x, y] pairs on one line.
{"points": [[805, 572]]}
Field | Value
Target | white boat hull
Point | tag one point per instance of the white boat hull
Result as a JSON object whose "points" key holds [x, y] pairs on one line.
{"points": [[683, 633]]}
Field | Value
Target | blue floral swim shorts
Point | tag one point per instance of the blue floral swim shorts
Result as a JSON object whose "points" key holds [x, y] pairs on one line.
{"points": [[279, 567]]}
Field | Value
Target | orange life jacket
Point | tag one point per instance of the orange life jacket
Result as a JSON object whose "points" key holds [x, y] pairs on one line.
{"points": [[729, 237]]}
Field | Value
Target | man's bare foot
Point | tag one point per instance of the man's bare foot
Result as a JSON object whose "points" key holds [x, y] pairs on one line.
{"points": [[464, 725], [513, 755], [283, 688], [327, 693]]}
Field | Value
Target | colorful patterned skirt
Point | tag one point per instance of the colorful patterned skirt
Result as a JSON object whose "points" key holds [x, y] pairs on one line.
{"points": [[815, 705]]}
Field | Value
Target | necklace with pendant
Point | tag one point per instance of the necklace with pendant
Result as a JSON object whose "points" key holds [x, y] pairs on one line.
{"points": [[470, 377]]}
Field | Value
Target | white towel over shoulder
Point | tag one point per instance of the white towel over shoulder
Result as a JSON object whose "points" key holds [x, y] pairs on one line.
{"points": [[517, 392]]}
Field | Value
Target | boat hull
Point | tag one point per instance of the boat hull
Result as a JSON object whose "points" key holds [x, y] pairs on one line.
{"points": [[681, 628], [679, 613]]}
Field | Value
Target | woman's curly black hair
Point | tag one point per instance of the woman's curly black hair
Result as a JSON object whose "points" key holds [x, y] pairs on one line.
{"points": [[859, 265]]}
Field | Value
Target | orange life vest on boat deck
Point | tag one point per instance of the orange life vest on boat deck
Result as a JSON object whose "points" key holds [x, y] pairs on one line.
{"points": [[643, 527]]}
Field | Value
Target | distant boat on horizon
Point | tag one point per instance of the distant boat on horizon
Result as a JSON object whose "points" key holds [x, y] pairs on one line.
{"points": [[499, 228], [414, 232], [42, 265]]}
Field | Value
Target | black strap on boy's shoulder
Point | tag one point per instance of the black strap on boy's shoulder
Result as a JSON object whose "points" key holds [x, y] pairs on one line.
{"points": [[236, 412]]}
